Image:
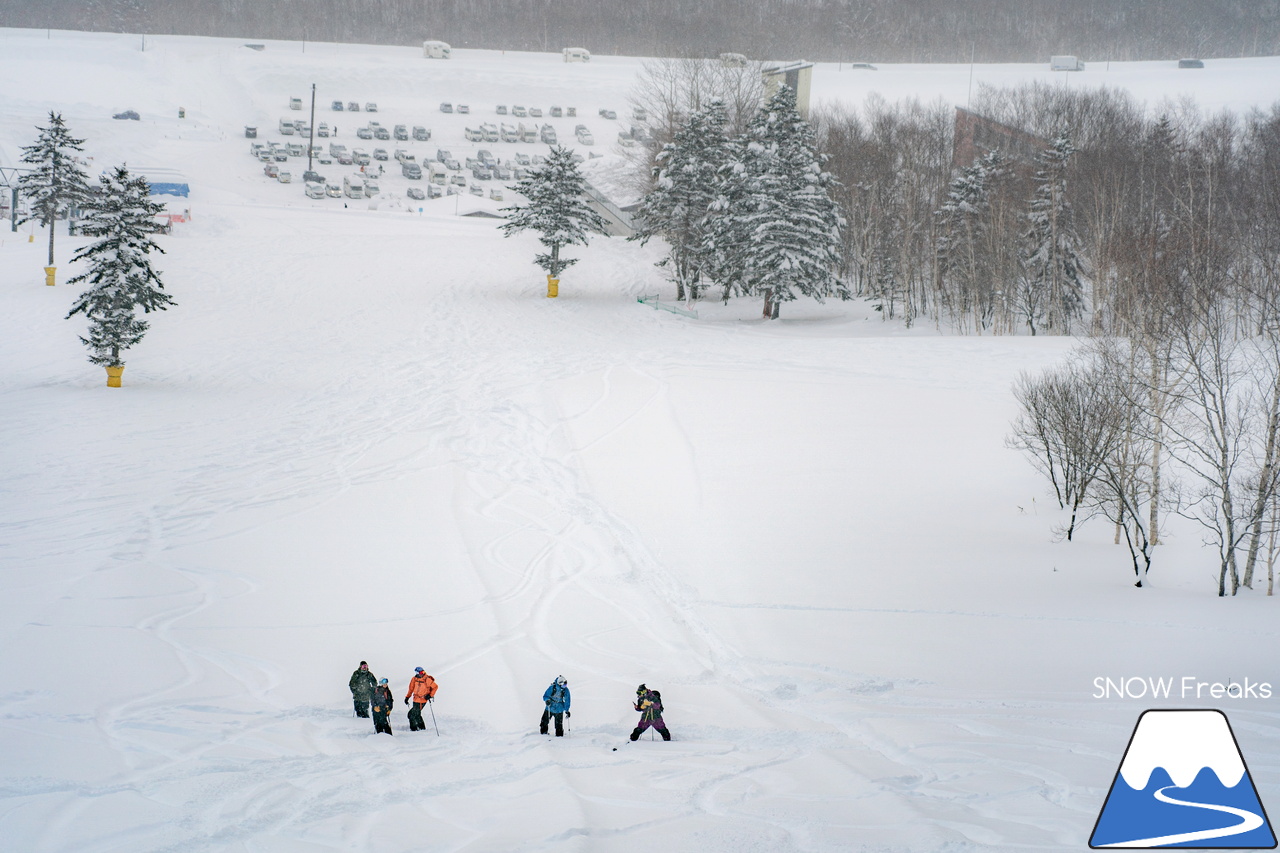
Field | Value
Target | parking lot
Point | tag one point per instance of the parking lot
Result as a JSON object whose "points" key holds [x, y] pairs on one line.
{"points": [[361, 149]]}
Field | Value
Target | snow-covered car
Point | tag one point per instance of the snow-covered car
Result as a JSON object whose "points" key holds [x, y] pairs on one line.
{"points": [[364, 132], [464, 109], [535, 112], [360, 157], [403, 156], [457, 180], [415, 193], [371, 187], [314, 190], [284, 176], [381, 132], [371, 107], [322, 129], [446, 107], [522, 158], [312, 177], [502, 109], [585, 138], [381, 154], [353, 107], [271, 170], [452, 165], [128, 115], [502, 173], [609, 114], [476, 189], [250, 132], [482, 173], [496, 193], [519, 111], [336, 106], [484, 155], [556, 112], [333, 190], [411, 170], [401, 133], [420, 133]]}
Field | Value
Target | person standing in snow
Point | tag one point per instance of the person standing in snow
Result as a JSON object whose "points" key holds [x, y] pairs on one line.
{"points": [[422, 689], [649, 704], [556, 701], [383, 702], [362, 684]]}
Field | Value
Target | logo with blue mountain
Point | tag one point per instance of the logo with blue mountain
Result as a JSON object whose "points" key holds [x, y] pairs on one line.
{"points": [[1183, 783]]}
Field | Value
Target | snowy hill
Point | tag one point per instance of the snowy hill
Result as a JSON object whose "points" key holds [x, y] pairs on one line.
{"points": [[364, 433]]}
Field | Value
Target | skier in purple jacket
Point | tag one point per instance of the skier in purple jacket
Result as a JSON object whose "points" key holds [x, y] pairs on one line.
{"points": [[649, 704]]}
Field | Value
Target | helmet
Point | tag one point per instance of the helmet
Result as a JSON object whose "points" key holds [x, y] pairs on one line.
{"points": [[561, 680], [641, 689], [382, 681], [418, 669]]}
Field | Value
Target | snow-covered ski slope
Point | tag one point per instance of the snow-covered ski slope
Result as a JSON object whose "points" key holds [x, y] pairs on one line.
{"points": [[367, 435]]}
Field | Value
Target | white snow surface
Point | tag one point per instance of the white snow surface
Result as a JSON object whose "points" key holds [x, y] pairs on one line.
{"points": [[1183, 743], [365, 434]]}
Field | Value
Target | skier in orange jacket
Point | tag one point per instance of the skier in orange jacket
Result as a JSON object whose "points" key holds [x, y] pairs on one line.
{"points": [[422, 689]]}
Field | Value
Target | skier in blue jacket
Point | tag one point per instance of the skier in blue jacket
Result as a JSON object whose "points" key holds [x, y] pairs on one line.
{"points": [[556, 702]]}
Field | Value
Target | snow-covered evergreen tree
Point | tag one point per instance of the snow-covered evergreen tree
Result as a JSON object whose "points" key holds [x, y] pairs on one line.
{"points": [[557, 210], [122, 220], [774, 230], [970, 255], [684, 188], [1053, 263], [55, 182]]}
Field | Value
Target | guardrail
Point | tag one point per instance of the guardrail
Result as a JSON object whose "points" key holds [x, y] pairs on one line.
{"points": [[653, 302]]}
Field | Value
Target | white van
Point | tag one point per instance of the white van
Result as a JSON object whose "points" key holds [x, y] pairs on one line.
{"points": [[437, 173], [286, 127], [295, 103], [1065, 63], [353, 186], [576, 54], [436, 50]]}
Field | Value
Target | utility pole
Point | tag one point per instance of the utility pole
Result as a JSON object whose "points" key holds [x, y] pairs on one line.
{"points": [[311, 141]]}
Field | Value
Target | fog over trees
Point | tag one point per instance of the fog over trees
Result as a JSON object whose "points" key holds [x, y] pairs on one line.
{"points": [[822, 30]]}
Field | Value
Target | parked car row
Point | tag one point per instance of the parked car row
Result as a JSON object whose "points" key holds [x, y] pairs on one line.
{"points": [[353, 107], [532, 134]]}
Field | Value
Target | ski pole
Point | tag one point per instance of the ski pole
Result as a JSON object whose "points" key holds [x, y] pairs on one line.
{"points": [[431, 703]]}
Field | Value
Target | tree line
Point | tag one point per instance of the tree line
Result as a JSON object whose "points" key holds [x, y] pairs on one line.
{"points": [[824, 30], [1122, 203], [1155, 236]]}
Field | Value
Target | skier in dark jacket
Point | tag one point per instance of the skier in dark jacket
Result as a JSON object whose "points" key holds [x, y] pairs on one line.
{"points": [[649, 704], [556, 699], [383, 702], [362, 684]]}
